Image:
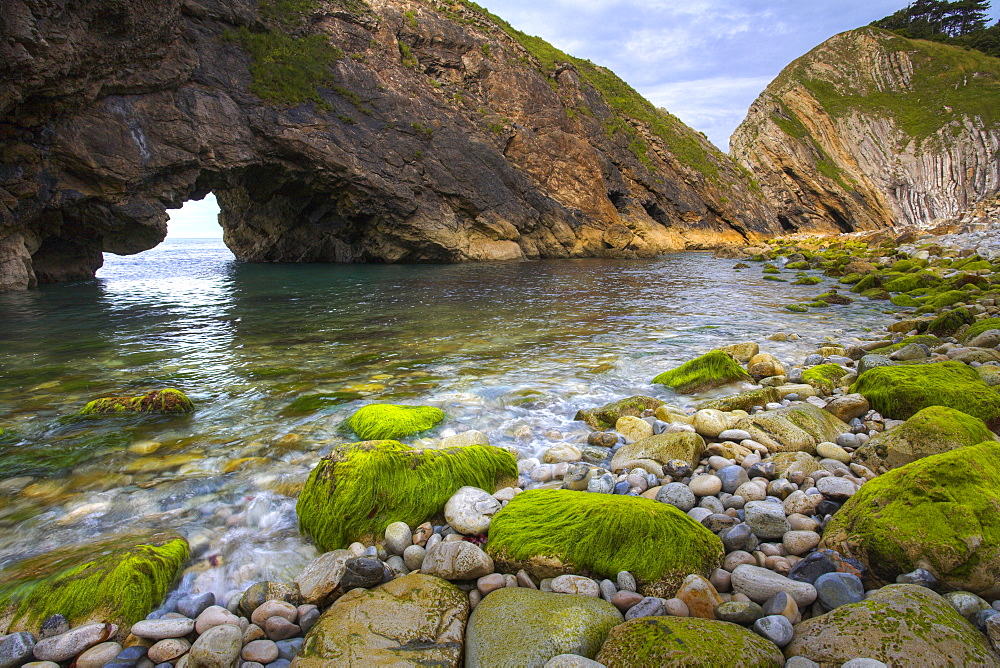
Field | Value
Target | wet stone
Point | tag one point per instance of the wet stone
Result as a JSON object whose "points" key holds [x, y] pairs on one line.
{"points": [[67, 645], [732, 477], [775, 628], [161, 629], [16, 649], [287, 649], [260, 592], [837, 589], [194, 604], [736, 538], [921, 577], [650, 606], [308, 620], [274, 609], [53, 626], [743, 613], [624, 600], [602, 439], [362, 572]]}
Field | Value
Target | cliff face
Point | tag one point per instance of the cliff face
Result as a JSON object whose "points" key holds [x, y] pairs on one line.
{"points": [[870, 130], [336, 130]]}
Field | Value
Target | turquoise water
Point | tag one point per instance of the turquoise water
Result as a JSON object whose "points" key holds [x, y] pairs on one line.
{"points": [[513, 350]]}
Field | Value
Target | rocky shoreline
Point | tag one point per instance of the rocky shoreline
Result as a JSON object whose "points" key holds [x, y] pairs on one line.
{"points": [[838, 511]]}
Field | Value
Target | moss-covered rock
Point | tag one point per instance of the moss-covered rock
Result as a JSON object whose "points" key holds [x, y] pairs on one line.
{"points": [[933, 430], [799, 427], [157, 401], [553, 532], [900, 625], [660, 449], [979, 327], [388, 421], [912, 282], [941, 513], [899, 392], [606, 416], [526, 627], [744, 401], [949, 322], [676, 642], [824, 376], [360, 489], [118, 581], [712, 370], [413, 620]]}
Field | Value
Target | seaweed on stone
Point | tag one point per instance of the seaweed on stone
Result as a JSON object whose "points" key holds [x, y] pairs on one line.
{"points": [[703, 373], [360, 489], [158, 401], [119, 581], [979, 327], [388, 421], [552, 531], [898, 392], [606, 416], [824, 376], [949, 322]]}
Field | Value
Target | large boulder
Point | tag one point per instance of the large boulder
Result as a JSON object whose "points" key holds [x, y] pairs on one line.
{"points": [[413, 620], [551, 532], [711, 370], [686, 641], [661, 449], [606, 416], [382, 421], [899, 625], [931, 431], [796, 428], [941, 513], [899, 392], [118, 581], [517, 626], [358, 490]]}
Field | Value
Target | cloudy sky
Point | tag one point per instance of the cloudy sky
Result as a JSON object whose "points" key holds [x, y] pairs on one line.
{"points": [[704, 60]]}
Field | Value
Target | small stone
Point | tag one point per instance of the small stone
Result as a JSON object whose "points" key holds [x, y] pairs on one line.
{"points": [[732, 477], [625, 581], [837, 589], [161, 629], [602, 439], [863, 663], [608, 590], [572, 661], [413, 557], [966, 603], [215, 615], [735, 435], [675, 607], [253, 632], [716, 522], [576, 584], [775, 628], [710, 423], [255, 596], [743, 613], [634, 429], [602, 484], [167, 651], [993, 631], [700, 597], [524, 580], [829, 450], [721, 579], [422, 533], [800, 542], [490, 582], [677, 469], [837, 489], [783, 604], [649, 606], [16, 648], [274, 609], [760, 584], [218, 647], [920, 576], [766, 520], [363, 572], [67, 645], [287, 649], [193, 605], [624, 600], [459, 560], [261, 651], [308, 619], [52, 626], [801, 662], [398, 537], [737, 538], [98, 655], [705, 485], [279, 628]]}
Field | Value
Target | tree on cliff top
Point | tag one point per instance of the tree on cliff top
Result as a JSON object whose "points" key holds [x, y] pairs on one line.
{"points": [[960, 22]]}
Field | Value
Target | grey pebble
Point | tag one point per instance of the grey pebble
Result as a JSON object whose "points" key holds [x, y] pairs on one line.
{"points": [[16, 649], [837, 589], [651, 606], [775, 628], [195, 604], [608, 590], [677, 494], [626, 581]]}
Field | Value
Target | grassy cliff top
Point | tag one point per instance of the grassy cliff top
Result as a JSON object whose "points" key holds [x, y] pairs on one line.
{"points": [[868, 71]]}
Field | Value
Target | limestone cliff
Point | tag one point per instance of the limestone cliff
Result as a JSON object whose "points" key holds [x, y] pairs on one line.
{"points": [[336, 130], [870, 130]]}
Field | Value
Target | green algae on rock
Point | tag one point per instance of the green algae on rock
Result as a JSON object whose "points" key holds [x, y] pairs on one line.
{"points": [[157, 401], [744, 401], [941, 513], [949, 322], [709, 371], [118, 581], [413, 620], [387, 421], [360, 489], [686, 641], [551, 532], [824, 376], [931, 431], [526, 627], [979, 327], [606, 416], [899, 392], [659, 449], [900, 625]]}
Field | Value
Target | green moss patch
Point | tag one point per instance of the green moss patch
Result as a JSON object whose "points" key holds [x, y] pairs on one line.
{"points": [[551, 531], [744, 401], [388, 421], [950, 322], [979, 327], [942, 510], [711, 370], [157, 401], [686, 641], [824, 376], [606, 416], [116, 581], [899, 392], [360, 489]]}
